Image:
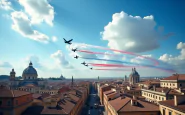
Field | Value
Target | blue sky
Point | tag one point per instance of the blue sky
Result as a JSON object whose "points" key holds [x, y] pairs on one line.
{"points": [[83, 21]]}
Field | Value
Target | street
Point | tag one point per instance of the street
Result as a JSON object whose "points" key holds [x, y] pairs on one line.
{"points": [[90, 107]]}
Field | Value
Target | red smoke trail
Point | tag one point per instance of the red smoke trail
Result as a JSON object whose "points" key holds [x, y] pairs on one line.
{"points": [[125, 52]]}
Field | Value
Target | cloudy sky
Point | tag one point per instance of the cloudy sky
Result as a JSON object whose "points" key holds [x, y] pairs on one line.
{"points": [[33, 30]]}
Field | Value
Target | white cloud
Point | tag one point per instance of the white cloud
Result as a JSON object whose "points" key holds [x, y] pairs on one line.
{"points": [[39, 11], [35, 61], [54, 38], [61, 59], [181, 45], [22, 25], [5, 5], [5, 65], [177, 61], [132, 33], [140, 59]]}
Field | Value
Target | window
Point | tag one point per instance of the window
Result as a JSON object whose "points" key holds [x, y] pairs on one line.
{"points": [[163, 111], [170, 113], [162, 98], [180, 85]]}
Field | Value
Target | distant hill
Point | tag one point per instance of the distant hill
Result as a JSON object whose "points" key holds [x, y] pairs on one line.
{"points": [[4, 77]]}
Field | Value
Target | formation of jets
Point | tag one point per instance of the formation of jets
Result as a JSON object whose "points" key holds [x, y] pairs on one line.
{"points": [[74, 50]]}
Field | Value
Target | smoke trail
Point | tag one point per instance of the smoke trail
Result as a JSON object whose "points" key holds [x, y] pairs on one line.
{"points": [[113, 69], [125, 66], [116, 61], [90, 52], [122, 51]]}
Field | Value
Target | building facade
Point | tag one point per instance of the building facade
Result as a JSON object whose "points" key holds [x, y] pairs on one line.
{"points": [[134, 77]]}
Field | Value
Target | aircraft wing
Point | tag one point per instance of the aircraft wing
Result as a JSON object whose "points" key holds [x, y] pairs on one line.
{"points": [[64, 39], [70, 40]]}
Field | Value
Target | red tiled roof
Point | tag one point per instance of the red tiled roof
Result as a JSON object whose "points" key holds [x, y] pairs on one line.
{"points": [[175, 77], [36, 95], [170, 103], [12, 93], [124, 105], [73, 97], [67, 106], [118, 103], [174, 92], [141, 106], [108, 92]]}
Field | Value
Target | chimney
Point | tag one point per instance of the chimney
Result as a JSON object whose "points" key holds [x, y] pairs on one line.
{"points": [[134, 97], [178, 99], [133, 101], [154, 88]]}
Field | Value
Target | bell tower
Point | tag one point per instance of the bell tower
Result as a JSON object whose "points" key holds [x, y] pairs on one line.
{"points": [[12, 75]]}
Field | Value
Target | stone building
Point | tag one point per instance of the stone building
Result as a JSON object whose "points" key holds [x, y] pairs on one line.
{"points": [[29, 78], [134, 77], [14, 102]]}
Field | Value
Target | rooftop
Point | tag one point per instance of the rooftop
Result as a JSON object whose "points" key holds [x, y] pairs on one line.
{"points": [[12, 93], [175, 77], [123, 104], [170, 103]]}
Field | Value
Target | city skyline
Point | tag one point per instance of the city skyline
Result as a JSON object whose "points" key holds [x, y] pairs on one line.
{"points": [[34, 31]]}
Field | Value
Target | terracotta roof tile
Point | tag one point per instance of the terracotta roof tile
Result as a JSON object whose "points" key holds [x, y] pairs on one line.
{"points": [[124, 105], [108, 92], [36, 95], [66, 105], [12, 93], [141, 106], [175, 77], [170, 103], [118, 103]]}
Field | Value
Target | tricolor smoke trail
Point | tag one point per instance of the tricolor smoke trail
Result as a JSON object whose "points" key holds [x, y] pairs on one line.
{"points": [[126, 66], [115, 61], [90, 52], [124, 62], [120, 51], [113, 69]]}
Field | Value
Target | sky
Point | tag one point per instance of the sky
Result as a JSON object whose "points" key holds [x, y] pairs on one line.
{"points": [[33, 30]]}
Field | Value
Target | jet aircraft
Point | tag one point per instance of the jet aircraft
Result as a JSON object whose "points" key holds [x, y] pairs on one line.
{"points": [[68, 42]]}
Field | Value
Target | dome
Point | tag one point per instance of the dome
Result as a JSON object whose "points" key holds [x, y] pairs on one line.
{"points": [[30, 70], [134, 72]]}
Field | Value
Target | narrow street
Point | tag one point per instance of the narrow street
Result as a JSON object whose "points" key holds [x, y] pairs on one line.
{"points": [[90, 107]]}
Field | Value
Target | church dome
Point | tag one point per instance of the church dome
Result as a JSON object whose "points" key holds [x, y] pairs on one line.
{"points": [[134, 73], [30, 72]]}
